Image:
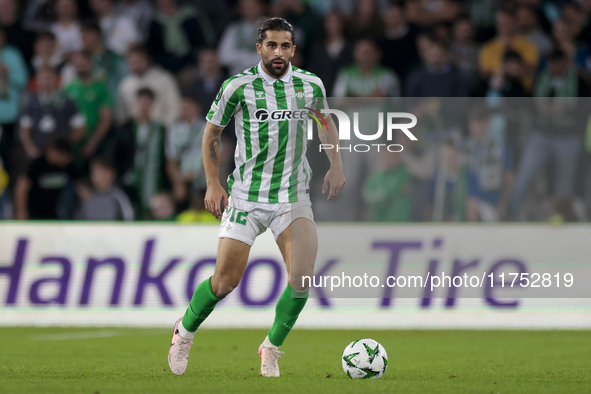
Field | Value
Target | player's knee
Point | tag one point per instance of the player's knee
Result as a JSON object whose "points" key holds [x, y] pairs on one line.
{"points": [[223, 286], [301, 282], [222, 290]]}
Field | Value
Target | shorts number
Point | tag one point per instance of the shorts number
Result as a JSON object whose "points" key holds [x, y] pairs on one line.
{"points": [[240, 218]]}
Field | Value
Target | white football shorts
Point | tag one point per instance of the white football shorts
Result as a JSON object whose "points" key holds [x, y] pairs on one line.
{"points": [[244, 220]]}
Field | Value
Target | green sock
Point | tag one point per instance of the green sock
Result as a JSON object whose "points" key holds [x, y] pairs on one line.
{"points": [[201, 305], [286, 314]]}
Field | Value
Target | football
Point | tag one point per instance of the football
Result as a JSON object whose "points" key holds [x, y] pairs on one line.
{"points": [[365, 359]]}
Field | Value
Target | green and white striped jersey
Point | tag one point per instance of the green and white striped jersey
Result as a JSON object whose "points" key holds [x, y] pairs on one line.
{"points": [[270, 156]]}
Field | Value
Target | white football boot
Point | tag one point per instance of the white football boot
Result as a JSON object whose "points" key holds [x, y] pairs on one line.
{"points": [[178, 354], [269, 361]]}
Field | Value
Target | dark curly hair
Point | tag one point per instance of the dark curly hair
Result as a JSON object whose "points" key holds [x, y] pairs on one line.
{"points": [[275, 24]]}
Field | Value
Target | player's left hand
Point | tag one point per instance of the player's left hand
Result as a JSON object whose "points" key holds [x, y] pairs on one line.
{"points": [[334, 180], [214, 196]]}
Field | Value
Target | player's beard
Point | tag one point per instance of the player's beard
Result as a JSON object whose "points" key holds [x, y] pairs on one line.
{"points": [[276, 72]]}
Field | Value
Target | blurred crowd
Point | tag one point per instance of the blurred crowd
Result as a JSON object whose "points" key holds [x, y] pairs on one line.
{"points": [[102, 104]]}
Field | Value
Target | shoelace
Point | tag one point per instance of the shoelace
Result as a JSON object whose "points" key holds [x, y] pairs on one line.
{"points": [[183, 348], [274, 355]]}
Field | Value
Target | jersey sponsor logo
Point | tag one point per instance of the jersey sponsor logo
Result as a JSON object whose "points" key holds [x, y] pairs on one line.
{"points": [[263, 114]]}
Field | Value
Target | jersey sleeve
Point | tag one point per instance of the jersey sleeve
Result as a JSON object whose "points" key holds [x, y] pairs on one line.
{"points": [[319, 94], [323, 100], [226, 104]]}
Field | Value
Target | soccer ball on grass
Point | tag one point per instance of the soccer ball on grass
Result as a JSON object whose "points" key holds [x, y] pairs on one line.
{"points": [[365, 359]]}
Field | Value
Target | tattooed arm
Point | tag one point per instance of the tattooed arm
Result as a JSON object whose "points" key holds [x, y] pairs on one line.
{"points": [[211, 162]]}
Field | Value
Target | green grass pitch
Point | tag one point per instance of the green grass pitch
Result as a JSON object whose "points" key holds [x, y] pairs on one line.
{"points": [[117, 360]]}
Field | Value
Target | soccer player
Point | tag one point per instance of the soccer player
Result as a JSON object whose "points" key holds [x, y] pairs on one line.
{"points": [[268, 188]]}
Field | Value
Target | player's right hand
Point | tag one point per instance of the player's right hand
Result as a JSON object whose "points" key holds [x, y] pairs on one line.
{"points": [[213, 197]]}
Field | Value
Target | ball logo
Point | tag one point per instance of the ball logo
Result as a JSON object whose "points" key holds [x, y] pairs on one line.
{"points": [[261, 115]]}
